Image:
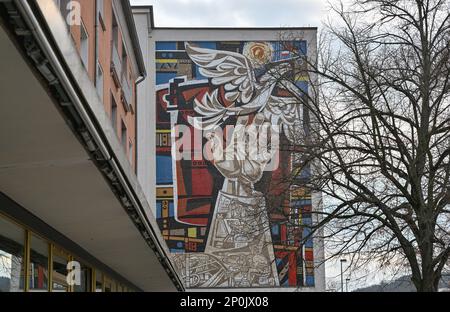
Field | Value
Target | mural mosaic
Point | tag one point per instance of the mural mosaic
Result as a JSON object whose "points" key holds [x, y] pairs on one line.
{"points": [[213, 213]]}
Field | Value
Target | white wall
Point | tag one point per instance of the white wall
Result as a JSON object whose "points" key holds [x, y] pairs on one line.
{"points": [[146, 110]]}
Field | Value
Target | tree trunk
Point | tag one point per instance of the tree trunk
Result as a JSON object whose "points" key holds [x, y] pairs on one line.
{"points": [[429, 283]]}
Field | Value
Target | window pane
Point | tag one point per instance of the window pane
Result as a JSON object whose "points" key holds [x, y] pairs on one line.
{"points": [[59, 273], [98, 281], [108, 285], [63, 7], [114, 113], [100, 7], [99, 82], [84, 46], [130, 152], [38, 264], [12, 239], [124, 65], [115, 32], [124, 136], [85, 279]]}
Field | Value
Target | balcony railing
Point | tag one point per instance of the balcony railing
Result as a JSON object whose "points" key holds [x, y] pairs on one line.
{"points": [[126, 93], [116, 65]]}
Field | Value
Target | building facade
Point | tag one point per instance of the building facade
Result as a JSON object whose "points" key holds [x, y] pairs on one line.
{"points": [[111, 55], [70, 200], [226, 222]]}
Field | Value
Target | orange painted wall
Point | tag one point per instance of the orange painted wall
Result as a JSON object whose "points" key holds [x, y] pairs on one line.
{"points": [[104, 57]]}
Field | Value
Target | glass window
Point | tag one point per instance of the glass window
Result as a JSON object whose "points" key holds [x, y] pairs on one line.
{"points": [[123, 136], [114, 113], [98, 281], [115, 32], [100, 8], [12, 239], [99, 82], [109, 285], [84, 46], [85, 279], [124, 65], [130, 152], [64, 7], [59, 273], [39, 250]]}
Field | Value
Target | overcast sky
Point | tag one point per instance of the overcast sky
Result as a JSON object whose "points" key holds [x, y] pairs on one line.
{"points": [[237, 13]]}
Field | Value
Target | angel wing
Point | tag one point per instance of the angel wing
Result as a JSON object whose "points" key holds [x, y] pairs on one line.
{"points": [[230, 69], [286, 112]]}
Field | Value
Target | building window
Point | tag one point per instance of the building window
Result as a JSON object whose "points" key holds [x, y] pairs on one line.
{"points": [[124, 64], [115, 32], [110, 285], [59, 273], [97, 55], [100, 14], [98, 281], [99, 81], [39, 254], [100, 8], [16, 242], [64, 7], [115, 57], [85, 279], [130, 152], [123, 136], [84, 46], [12, 242], [113, 114]]}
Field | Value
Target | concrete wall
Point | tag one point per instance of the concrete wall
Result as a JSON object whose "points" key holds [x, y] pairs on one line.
{"points": [[146, 107]]}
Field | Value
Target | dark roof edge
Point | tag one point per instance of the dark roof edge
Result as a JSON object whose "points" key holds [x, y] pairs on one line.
{"points": [[134, 36]]}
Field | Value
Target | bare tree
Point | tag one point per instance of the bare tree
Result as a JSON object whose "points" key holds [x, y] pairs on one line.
{"points": [[378, 135]]}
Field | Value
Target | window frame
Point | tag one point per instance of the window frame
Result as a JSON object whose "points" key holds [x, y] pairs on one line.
{"points": [[114, 113], [53, 251], [84, 31], [29, 235], [100, 12], [99, 70]]}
